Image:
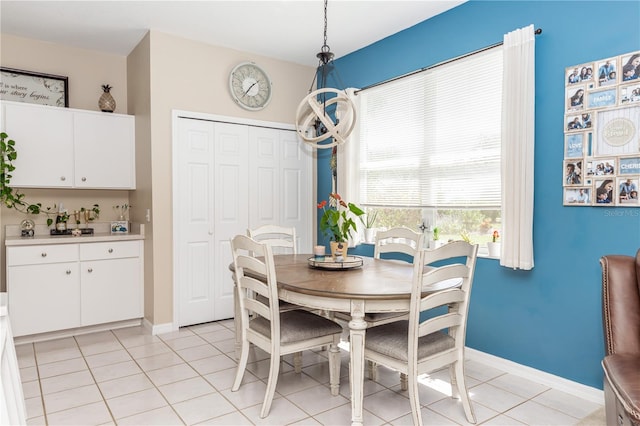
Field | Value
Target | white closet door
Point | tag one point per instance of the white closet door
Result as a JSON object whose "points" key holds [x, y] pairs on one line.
{"points": [[195, 227], [212, 202], [231, 189], [280, 190]]}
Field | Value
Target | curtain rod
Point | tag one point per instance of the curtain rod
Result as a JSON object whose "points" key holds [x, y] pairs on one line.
{"points": [[538, 31]]}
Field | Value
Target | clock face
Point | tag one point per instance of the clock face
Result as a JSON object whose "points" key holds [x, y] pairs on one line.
{"points": [[250, 86]]}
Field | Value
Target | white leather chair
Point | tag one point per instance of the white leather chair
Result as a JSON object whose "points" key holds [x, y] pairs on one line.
{"points": [[416, 346], [262, 324]]}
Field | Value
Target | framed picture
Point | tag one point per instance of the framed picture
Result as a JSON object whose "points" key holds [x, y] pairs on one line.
{"points": [[607, 74], [575, 98], [617, 131], [574, 145], [629, 166], [630, 67], [630, 93], [602, 98], [577, 196], [605, 191], [579, 74], [34, 88], [628, 190], [575, 122], [573, 172]]}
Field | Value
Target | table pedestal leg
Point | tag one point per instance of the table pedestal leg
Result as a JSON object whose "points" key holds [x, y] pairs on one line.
{"points": [[357, 328]]}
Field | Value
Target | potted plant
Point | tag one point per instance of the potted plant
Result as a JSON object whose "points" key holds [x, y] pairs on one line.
{"points": [[336, 222], [435, 243], [368, 221], [494, 244]]}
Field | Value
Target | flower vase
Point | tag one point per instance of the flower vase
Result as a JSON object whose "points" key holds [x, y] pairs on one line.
{"points": [[494, 249], [338, 249], [369, 235]]}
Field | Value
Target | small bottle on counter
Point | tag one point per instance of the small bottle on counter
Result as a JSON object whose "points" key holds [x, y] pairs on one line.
{"points": [[61, 223]]}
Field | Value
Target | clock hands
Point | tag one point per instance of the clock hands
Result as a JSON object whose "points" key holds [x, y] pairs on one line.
{"points": [[249, 88]]}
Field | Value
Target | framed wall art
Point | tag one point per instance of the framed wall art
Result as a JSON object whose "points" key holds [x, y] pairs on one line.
{"points": [[601, 165], [32, 87]]}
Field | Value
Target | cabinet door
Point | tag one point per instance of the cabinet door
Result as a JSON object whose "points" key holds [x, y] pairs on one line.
{"points": [[111, 290], [104, 150], [43, 298], [44, 143]]}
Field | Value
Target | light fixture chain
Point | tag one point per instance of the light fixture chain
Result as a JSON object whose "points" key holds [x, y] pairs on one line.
{"points": [[325, 21]]}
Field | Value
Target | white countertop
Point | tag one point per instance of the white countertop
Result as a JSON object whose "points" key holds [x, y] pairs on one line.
{"points": [[42, 236]]}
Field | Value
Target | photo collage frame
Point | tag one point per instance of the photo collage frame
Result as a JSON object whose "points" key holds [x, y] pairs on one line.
{"points": [[601, 164]]}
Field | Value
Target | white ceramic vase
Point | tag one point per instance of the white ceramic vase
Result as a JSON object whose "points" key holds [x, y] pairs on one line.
{"points": [[494, 249]]}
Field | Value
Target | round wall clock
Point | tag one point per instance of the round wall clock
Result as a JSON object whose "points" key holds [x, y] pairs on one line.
{"points": [[250, 86]]}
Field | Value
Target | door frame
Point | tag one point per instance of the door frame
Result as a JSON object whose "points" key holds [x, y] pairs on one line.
{"points": [[180, 114]]}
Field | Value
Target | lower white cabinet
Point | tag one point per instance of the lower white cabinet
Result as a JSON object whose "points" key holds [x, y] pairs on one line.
{"points": [[57, 287]]}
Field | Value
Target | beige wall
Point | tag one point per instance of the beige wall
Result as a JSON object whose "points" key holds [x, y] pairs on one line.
{"points": [[161, 74], [192, 76]]}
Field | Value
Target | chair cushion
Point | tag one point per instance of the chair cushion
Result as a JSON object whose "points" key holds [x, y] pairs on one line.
{"points": [[623, 373], [391, 340], [296, 326]]}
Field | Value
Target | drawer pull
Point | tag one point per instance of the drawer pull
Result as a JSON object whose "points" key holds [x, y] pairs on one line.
{"points": [[110, 250], [43, 254], [68, 272], [62, 178], [84, 179], [90, 270]]}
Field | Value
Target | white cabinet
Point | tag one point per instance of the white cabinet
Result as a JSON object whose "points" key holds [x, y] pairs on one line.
{"points": [[62, 286], [44, 143], [43, 286], [104, 150], [70, 148], [110, 282]]}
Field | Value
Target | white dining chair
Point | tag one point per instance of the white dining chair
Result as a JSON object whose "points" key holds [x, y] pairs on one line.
{"points": [[421, 345], [282, 239], [400, 240], [263, 325]]}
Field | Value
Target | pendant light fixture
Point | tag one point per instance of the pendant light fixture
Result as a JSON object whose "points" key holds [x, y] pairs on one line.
{"points": [[326, 116]]}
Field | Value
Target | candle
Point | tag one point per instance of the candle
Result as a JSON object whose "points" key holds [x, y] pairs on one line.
{"points": [[318, 252]]}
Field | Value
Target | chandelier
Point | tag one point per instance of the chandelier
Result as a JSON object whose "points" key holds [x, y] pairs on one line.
{"points": [[326, 116]]}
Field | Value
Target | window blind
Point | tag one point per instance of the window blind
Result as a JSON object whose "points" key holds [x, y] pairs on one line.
{"points": [[432, 139]]}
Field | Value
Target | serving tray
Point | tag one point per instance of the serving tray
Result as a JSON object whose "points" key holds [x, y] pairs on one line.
{"points": [[349, 262]]}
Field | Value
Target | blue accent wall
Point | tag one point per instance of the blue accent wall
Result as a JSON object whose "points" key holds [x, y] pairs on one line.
{"points": [[549, 318]]}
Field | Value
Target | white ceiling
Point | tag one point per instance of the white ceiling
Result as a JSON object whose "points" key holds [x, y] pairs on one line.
{"points": [[289, 30]]}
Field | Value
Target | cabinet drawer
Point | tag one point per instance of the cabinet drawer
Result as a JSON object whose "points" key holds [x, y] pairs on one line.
{"points": [[110, 250], [38, 255]]}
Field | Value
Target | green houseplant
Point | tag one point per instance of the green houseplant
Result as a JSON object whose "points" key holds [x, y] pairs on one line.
{"points": [[336, 222]]}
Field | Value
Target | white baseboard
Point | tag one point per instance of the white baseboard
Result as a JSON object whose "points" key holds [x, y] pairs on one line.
{"points": [[574, 388], [60, 334], [158, 328]]}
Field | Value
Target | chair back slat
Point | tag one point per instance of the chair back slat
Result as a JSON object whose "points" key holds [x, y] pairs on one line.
{"points": [[253, 261], [281, 239], [438, 323], [442, 298], [398, 240]]}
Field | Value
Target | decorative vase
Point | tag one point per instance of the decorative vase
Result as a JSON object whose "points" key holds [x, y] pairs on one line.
{"points": [[338, 249], [106, 103], [369, 235], [494, 249]]}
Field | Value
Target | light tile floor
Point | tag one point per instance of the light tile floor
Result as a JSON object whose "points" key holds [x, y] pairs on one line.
{"points": [[127, 377]]}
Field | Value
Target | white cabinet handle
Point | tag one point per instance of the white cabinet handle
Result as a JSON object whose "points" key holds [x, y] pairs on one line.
{"points": [[110, 250], [43, 254], [68, 272], [90, 270], [84, 179]]}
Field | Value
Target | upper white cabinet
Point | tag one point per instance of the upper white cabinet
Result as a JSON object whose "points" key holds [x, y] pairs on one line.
{"points": [[69, 148]]}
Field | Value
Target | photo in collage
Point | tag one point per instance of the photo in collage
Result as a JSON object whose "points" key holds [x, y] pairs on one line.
{"points": [[601, 164]]}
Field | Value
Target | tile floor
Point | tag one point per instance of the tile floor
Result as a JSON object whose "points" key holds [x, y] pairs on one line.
{"points": [[127, 377]]}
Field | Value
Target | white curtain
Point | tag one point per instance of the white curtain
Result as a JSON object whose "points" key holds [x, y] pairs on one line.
{"points": [[518, 119], [348, 167]]}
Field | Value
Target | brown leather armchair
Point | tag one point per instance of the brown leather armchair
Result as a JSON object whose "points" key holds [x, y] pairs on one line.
{"points": [[621, 321]]}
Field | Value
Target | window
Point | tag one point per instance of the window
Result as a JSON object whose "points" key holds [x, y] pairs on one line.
{"points": [[428, 148]]}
